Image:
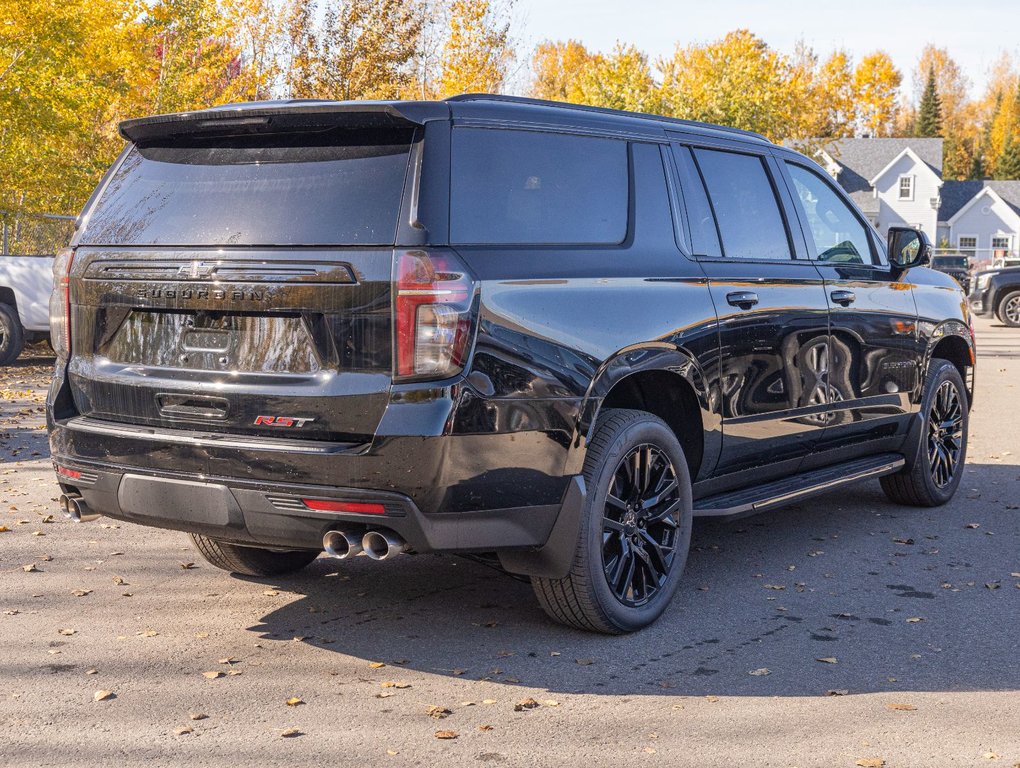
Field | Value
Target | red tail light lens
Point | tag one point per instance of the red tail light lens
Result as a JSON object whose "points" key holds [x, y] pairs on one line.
{"points": [[432, 314], [360, 507], [60, 303]]}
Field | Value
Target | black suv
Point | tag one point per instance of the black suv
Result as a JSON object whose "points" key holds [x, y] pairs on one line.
{"points": [[997, 293], [541, 334]]}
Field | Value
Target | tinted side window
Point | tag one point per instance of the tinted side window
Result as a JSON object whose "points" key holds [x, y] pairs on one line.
{"points": [[704, 235], [837, 234], [527, 187], [745, 205]]}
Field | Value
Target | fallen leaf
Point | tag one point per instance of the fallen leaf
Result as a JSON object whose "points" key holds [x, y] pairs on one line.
{"points": [[227, 660], [712, 699], [837, 692], [438, 712], [992, 585], [972, 525], [290, 733], [649, 750], [915, 619], [384, 695], [760, 672], [4, 529], [148, 633], [870, 762], [529, 703], [66, 632], [828, 660], [585, 662], [197, 715], [183, 729], [447, 734], [488, 701], [91, 671], [81, 592], [485, 727], [294, 701], [391, 684], [270, 593], [30, 568], [187, 566], [103, 695], [774, 586], [212, 675], [392, 752], [119, 581], [900, 707], [376, 664], [551, 703], [990, 756], [458, 672]]}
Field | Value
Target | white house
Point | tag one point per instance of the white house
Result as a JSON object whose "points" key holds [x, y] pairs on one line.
{"points": [[898, 182]]}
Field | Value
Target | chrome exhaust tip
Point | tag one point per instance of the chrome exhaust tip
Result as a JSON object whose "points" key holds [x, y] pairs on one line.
{"points": [[382, 545], [76, 510], [341, 544]]}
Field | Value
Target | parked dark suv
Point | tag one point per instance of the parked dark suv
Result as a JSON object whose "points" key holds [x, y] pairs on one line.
{"points": [[997, 293], [543, 334]]}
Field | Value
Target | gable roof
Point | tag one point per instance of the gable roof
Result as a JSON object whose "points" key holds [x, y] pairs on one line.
{"points": [[867, 158], [957, 195], [917, 161]]}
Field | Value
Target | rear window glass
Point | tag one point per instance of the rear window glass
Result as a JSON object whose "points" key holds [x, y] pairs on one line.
{"points": [[745, 205], [335, 187], [526, 187]]}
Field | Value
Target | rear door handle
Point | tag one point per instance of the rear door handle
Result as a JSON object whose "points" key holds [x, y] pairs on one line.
{"points": [[742, 299], [846, 298]]}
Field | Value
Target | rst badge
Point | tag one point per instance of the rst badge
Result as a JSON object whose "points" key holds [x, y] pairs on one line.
{"points": [[280, 421]]}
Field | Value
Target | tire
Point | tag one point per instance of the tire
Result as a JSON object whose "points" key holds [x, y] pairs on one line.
{"points": [[251, 561], [919, 485], [584, 598], [12, 335], [1009, 309]]}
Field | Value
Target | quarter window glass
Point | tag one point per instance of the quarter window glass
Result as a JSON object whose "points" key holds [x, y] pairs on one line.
{"points": [[745, 205], [526, 187], [837, 234]]}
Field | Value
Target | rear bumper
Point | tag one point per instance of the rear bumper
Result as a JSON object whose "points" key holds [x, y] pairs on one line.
{"points": [[980, 303], [274, 515]]}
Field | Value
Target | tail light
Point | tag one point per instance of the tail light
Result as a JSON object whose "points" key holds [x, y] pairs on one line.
{"points": [[434, 294], [60, 303]]}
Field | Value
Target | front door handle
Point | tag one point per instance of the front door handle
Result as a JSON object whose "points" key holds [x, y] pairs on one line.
{"points": [[845, 298], [742, 299]]}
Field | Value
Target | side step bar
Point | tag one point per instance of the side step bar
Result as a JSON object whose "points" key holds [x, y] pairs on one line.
{"points": [[749, 501]]}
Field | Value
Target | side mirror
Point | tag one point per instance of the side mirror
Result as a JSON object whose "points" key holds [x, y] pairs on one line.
{"points": [[908, 247]]}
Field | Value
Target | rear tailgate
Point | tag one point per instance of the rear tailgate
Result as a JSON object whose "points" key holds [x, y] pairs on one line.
{"points": [[250, 342], [235, 276]]}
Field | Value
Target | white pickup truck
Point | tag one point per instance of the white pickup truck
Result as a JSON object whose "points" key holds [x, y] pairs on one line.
{"points": [[25, 285]]}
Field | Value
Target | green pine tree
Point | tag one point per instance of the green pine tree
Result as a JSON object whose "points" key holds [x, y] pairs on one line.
{"points": [[929, 113], [977, 170], [1008, 166]]}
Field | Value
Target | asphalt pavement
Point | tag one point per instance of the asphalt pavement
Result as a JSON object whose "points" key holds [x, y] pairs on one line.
{"points": [[841, 631]]}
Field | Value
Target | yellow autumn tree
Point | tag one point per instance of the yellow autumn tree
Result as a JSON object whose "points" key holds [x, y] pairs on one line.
{"points": [[620, 80], [559, 68], [478, 51], [740, 82], [877, 84], [257, 30], [61, 88], [834, 97]]}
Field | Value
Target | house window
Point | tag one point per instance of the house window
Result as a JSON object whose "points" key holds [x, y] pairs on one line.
{"points": [[1001, 242], [906, 187], [967, 245]]}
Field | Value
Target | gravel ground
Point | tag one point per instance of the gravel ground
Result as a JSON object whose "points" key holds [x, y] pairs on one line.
{"points": [[839, 632]]}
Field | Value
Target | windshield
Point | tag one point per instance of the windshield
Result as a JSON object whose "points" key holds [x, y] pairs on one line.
{"points": [[337, 186]]}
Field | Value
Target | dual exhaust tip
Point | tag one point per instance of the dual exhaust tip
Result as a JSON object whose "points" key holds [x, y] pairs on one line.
{"points": [[76, 510], [378, 545]]}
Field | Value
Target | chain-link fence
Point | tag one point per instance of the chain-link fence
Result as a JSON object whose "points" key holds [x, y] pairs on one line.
{"points": [[31, 234]]}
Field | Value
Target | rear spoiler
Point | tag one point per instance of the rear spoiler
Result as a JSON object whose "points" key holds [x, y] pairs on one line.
{"points": [[256, 117]]}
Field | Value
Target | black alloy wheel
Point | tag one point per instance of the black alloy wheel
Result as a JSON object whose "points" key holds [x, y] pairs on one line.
{"points": [[640, 521], [945, 434]]}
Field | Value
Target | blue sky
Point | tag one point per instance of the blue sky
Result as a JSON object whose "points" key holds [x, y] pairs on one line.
{"points": [[976, 32]]}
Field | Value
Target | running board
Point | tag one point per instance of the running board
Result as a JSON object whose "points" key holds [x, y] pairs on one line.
{"points": [[749, 501]]}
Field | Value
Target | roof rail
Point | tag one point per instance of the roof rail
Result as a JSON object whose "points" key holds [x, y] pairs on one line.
{"points": [[602, 111]]}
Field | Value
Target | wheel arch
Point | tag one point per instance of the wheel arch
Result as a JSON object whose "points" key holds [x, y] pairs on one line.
{"points": [[952, 341], [661, 379]]}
